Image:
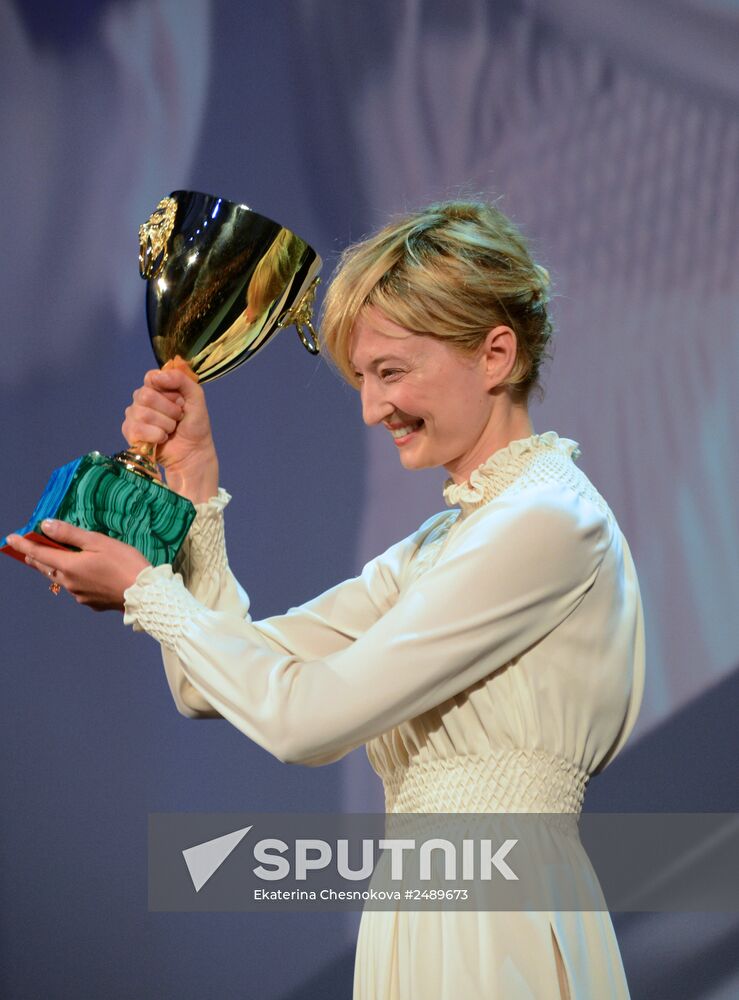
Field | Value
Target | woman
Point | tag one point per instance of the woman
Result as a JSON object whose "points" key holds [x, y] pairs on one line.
{"points": [[492, 661]]}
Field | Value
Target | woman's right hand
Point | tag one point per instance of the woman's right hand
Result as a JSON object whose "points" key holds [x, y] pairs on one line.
{"points": [[169, 410]]}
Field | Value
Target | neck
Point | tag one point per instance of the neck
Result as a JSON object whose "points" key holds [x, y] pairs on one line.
{"points": [[508, 422]]}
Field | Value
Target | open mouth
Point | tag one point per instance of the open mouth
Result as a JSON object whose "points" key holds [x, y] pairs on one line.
{"points": [[402, 434]]}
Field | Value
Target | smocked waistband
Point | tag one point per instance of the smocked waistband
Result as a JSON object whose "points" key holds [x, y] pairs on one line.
{"points": [[498, 781]]}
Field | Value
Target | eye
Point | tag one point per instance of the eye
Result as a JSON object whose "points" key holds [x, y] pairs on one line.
{"points": [[389, 374]]}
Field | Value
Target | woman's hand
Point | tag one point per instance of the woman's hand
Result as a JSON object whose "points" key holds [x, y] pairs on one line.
{"points": [[169, 410], [96, 576]]}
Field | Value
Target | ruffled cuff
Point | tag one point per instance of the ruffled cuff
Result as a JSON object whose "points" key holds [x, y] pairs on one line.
{"points": [[202, 558], [158, 602]]}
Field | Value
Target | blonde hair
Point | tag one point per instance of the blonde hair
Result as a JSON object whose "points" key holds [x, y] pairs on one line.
{"points": [[453, 271]]}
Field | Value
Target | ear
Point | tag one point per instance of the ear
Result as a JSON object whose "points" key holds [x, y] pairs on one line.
{"points": [[499, 354]]}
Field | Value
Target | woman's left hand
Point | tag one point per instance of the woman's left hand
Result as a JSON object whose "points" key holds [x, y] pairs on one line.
{"points": [[97, 575]]}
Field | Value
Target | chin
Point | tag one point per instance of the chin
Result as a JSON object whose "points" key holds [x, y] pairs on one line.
{"points": [[416, 462]]}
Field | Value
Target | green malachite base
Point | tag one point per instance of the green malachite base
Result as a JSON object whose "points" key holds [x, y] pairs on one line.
{"points": [[99, 494]]}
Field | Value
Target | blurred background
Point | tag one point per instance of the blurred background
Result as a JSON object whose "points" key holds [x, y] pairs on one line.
{"points": [[610, 131]]}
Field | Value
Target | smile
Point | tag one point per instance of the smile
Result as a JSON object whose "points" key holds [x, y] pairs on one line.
{"points": [[402, 433]]}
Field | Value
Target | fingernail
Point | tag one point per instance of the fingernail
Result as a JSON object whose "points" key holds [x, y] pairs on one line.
{"points": [[49, 526], [180, 401]]}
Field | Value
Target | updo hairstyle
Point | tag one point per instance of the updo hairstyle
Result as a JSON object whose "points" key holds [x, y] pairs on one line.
{"points": [[453, 271]]}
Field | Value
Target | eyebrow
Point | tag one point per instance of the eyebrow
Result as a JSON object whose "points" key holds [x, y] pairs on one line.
{"points": [[379, 361]]}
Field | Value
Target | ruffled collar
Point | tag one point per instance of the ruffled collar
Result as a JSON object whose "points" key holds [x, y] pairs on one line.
{"points": [[503, 468]]}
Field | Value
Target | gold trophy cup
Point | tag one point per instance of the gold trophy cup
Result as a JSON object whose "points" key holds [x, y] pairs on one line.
{"points": [[221, 280]]}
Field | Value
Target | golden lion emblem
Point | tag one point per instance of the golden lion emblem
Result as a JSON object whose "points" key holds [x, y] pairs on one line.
{"points": [[154, 236]]}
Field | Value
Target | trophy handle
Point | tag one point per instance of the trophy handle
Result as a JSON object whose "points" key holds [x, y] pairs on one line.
{"points": [[301, 317], [309, 343]]}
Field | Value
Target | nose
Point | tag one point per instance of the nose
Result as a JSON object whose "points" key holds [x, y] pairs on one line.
{"points": [[375, 406]]}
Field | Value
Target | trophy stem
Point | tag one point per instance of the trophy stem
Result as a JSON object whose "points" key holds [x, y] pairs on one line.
{"points": [[142, 459]]}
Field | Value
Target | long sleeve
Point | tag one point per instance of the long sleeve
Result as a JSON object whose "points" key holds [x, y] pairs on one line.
{"points": [[202, 561], [203, 565], [322, 626], [509, 575]]}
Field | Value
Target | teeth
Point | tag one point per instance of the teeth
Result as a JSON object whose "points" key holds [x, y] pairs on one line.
{"points": [[400, 432]]}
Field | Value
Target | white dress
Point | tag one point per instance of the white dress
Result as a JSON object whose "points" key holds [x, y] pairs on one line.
{"points": [[492, 661]]}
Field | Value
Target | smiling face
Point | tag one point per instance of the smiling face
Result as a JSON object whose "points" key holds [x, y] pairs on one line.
{"points": [[441, 406]]}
